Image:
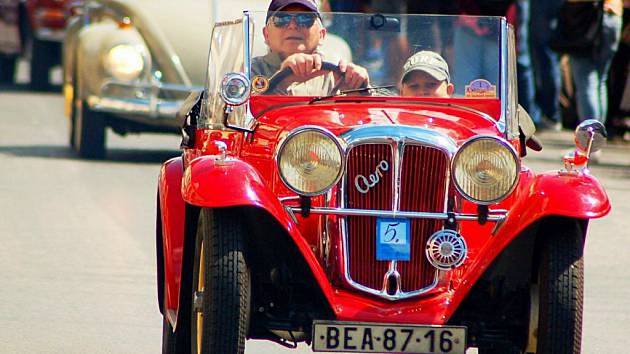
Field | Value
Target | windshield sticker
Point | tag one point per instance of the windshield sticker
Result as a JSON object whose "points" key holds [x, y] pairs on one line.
{"points": [[260, 84], [481, 88]]}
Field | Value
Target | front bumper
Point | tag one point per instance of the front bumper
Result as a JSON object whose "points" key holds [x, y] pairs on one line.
{"points": [[141, 100], [50, 35]]}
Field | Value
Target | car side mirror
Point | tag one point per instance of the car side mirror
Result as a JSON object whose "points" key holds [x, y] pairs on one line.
{"points": [[526, 130], [590, 136]]}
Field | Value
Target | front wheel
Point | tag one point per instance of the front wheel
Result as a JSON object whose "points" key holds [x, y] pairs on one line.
{"points": [[561, 290], [221, 286]]}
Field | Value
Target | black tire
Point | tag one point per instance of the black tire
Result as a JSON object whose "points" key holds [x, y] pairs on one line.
{"points": [[561, 284], [41, 62], [226, 284], [89, 131], [174, 341], [7, 69]]}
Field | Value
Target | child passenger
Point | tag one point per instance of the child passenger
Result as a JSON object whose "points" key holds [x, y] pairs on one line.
{"points": [[425, 74]]}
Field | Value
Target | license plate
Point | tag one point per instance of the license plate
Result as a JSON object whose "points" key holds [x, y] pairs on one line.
{"points": [[361, 337], [392, 239]]}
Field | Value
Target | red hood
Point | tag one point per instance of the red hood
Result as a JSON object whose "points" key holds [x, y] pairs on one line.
{"points": [[458, 123]]}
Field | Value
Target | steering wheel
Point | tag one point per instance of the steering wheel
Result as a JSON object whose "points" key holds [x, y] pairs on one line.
{"points": [[285, 73]]}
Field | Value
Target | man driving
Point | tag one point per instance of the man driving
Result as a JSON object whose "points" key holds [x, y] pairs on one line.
{"points": [[426, 74], [294, 32]]}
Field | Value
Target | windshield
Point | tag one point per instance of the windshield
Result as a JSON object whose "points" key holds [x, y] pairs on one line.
{"points": [[428, 56], [418, 55]]}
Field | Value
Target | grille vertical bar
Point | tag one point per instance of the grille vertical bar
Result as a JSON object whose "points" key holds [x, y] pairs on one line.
{"points": [[363, 160], [423, 187]]}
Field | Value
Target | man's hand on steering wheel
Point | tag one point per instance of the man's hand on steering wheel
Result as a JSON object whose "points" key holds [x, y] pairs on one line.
{"points": [[355, 76], [302, 65]]}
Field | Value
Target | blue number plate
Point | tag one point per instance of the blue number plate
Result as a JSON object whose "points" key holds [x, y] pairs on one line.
{"points": [[393, 239]]}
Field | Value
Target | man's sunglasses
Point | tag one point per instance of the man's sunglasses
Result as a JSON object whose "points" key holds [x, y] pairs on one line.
{"points": [[282, 20]]}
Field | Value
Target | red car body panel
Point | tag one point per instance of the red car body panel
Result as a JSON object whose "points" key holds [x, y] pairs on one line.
{"points": [[172, 209], [248, 176]]}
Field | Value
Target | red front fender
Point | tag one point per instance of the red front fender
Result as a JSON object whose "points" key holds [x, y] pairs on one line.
{"points": [[578, 196], [210, 183], [172, 214]]}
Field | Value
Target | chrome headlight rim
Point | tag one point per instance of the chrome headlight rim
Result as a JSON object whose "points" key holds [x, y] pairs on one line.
{"points": [[504, 143], [329, 135], [137, 49], [224, 91]]}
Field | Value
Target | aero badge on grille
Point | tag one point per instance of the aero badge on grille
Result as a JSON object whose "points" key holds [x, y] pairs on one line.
{"points": [[363, 184]]}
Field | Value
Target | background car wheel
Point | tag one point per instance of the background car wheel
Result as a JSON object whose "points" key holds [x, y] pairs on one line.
{"points": [[89, 132], [41, 63], [7, 69], [561, 284], [70, 97], [221, 285]]}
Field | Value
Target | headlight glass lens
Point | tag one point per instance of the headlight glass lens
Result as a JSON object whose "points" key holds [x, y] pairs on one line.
{"points": [[310, 162], [124, 62], [485, 170]]}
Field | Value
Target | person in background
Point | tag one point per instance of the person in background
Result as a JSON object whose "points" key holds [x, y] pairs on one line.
{"points": [[590, 72], [426, 74], [546, 62], [525, 72]]}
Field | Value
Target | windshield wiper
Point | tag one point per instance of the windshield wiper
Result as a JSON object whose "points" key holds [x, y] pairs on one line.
{"points": [[363, 89]]}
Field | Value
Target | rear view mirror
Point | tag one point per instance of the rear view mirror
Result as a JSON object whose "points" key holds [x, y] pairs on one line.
{"points": [[379, 22], [590, 136]]}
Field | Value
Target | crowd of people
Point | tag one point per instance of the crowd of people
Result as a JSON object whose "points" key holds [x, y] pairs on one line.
{"points": [[566, 53]]}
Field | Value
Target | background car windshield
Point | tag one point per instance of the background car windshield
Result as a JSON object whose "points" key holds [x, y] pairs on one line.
{"points": [[383, 43]]}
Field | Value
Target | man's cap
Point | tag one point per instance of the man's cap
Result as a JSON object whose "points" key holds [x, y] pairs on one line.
{"points": [[278, 5], [429, 62]]}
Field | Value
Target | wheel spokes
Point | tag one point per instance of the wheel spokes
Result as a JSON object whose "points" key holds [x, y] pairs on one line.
{"points": [[198, 300]]}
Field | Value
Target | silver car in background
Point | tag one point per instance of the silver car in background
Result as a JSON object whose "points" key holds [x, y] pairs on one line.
{"points": [[129, 64]]}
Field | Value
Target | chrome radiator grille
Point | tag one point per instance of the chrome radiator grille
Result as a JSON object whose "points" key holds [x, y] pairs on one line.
{"points": [[422, 172]]}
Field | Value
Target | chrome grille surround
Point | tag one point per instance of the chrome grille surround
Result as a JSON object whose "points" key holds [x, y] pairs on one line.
{"points": [[397, 137]]}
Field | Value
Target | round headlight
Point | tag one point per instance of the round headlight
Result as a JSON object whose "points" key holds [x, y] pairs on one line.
{"points": [[235, 89], [485, 169], [124, 62], [310, 161]]}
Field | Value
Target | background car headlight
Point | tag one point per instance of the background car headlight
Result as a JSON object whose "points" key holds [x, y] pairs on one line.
{"points": [[485, 170], [310, 161], [124, 62]]}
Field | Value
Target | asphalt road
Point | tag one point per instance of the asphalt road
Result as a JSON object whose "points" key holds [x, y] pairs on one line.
{"points": [[77, 264]]}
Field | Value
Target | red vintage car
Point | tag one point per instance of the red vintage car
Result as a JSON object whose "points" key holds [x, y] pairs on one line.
{"points": [[368, 220]]}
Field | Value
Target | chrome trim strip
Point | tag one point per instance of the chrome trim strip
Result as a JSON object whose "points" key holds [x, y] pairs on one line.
{"points": [[162, 110], [151, 85], [150, 105], [393, 133], [503, 60], [493, 217]]}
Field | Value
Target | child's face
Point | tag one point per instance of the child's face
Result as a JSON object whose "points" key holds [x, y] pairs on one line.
{"points": [[421, 84]]}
